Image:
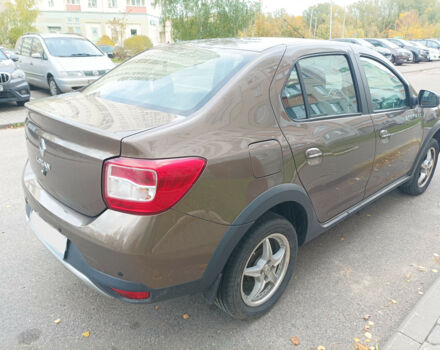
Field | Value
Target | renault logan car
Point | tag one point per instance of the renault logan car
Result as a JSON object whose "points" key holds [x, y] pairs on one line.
{"points": [[60, 62], [202, 167]]}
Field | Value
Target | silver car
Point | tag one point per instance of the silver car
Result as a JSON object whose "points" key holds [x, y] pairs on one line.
{"points": [[60, 62]]}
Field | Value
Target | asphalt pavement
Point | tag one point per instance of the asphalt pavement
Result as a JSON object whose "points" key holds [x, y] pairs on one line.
{"points": [[378, 263]]}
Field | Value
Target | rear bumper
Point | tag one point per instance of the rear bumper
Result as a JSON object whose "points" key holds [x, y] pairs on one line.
{"points": [[15, 90], [166, 255]]}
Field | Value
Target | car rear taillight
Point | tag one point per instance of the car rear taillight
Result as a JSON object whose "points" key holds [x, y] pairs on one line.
{"points": [[146, 187]]}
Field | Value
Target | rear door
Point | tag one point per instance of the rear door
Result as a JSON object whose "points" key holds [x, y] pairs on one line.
{"points": [[24, 59], [332, 141], [398, 127]]}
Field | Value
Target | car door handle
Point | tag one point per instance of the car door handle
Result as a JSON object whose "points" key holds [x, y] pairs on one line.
{"points": [[313, 153], [384, 134]]}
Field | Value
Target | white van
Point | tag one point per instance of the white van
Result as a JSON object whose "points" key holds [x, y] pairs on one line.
{"points": [[60, 62]]}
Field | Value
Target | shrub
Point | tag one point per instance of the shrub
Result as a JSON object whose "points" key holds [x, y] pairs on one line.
{"points": [[120, 53], [105, 40], [137, 43]]}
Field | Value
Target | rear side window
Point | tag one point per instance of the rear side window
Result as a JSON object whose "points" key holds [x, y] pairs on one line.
{"points": [[26, 47], [386, 89], [37, 48], [292, 97], [328, 85], [177, 79]]}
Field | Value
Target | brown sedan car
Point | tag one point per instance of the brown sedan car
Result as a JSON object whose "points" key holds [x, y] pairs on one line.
{"points": [[201, 167]]}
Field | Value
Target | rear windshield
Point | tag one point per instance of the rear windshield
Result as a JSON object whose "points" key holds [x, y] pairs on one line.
{"points": [[71, 47], [176, 79]]}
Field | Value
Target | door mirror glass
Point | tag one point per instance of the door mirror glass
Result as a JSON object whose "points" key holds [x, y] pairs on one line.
{"points": [[428, 99]]}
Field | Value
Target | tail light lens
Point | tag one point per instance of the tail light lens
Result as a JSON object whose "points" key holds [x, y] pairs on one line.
{"points": [[132, 295], [146, 187]]}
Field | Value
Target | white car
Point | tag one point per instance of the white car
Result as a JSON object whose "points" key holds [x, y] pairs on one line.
{"points": [[434, 54], [60, 62]]}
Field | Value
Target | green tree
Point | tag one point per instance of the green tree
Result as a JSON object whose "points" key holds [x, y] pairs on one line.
{"points": [[17, 19], [201, 19], [137, 43]]}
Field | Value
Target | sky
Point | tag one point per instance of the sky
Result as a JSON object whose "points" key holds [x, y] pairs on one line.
{"points": [[296, 7]]}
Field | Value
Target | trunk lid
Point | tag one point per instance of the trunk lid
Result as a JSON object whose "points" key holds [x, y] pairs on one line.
{"points": [[69, 137]]}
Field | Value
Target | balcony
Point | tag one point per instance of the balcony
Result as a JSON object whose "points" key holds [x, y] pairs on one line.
{"points": [[73, 7]]}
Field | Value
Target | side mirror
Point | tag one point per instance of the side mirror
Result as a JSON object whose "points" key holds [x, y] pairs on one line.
{"points": [[110, 55], [14, 58], [37, 55], [428, 99]]}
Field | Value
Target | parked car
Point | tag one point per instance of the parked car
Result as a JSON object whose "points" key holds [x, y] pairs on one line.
{"points": [[430, 43], [382, 50], [418, 54], [13, 85], [201, 167], [433, 55], [108, 50], [60, 62], [398, 55]]}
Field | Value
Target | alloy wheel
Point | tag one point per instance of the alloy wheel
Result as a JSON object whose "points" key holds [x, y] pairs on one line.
{"points": [[427, 167], [265, 269]]}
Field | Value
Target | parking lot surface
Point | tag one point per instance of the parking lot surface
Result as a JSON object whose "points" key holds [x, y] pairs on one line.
{"points": [[378, 263]]}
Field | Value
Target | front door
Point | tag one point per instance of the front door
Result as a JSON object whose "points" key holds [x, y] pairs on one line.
{"points": [[38, 64], [332, 141], [398, 127]]}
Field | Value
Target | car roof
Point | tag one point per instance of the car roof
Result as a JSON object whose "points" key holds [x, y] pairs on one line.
{"points": [[261, 44]]}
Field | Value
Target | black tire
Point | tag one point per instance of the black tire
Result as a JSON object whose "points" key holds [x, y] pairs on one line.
{"points": [[413, 187], [53, 87], [229, 295]]}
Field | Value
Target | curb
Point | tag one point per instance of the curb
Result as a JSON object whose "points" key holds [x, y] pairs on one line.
{"points": [[418, 324]]}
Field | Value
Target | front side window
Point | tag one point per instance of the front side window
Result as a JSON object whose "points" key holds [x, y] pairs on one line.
{"points": [[3, 56], [328, 85], [176, 79], [386, 89], [292, 97], [18, 46], [71, 47]]}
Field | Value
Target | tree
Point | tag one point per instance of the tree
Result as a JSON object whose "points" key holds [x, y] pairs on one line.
{"points": [[17, 19], [117, 28], [201, 19]]}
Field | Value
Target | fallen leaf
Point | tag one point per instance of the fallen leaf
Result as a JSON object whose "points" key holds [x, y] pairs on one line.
{"points": [[342, 238], [420, 292], [294, 340], [434, 270], [368, 335], [366, 317], [186, 316], [367, 340], [436, 255], [394, 301], [421, 268], [361, 347], [86, 334], [367, 328], [408, 276], [156, 307], [368, 214], [356, 340], [57, 321], [320, 347], [371, 323]]}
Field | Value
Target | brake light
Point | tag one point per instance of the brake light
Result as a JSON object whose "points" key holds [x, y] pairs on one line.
{"points": [[146, 187]]}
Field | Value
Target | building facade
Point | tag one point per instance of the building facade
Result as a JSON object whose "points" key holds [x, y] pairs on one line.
{"points": [[119, 19]]}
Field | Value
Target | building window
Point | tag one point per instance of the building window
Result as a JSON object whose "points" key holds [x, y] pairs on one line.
{"points": [[50, 3], [72, 2], [152, 22], [92, 3], [76, 19], [54, 29], [112, 4], [78, 30], [133, 32], [136, 2], [69, 19]]}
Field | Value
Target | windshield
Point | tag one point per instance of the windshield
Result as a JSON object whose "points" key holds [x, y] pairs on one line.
{"points": [[71, 47], [366, 43], [390, 44], [177, 79], [3, 55]]}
